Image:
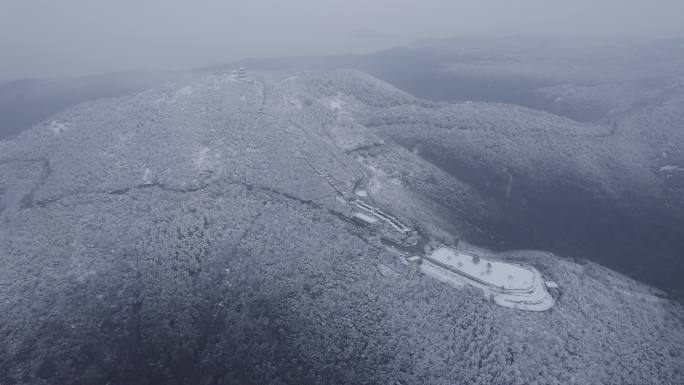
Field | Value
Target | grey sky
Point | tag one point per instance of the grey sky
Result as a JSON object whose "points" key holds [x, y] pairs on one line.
{"points": [[45, 38]]}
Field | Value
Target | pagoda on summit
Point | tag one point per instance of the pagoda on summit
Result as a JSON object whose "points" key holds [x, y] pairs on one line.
{"points": [[240, 73]]}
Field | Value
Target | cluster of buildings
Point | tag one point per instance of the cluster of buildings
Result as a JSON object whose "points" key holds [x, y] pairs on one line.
{"points": [[240, 74], [386, 226], [506, 284]]}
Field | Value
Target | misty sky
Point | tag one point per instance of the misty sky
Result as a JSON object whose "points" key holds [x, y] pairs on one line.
{"points": [[48, 38]]}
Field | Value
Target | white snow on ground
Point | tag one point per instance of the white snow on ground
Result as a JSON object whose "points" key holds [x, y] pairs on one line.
{"points": [[442, 275], [387, 271], [201, 158], [671, 168], [295, 102], [375, 184], [185, 91], [365, 218], [500, 274], [336, 103], [58, 127], [508, 285], [123, 138], [147, 176], [289, 78]]}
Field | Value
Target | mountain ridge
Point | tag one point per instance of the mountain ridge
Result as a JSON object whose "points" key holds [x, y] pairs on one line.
{"points": [[194, 233]]}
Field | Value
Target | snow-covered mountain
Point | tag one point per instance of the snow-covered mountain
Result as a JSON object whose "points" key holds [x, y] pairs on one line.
{"points": [[201, 233]]}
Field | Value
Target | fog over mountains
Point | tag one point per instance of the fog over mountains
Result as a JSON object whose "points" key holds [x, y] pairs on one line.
{"points": [[626, 93], [194, 226]]}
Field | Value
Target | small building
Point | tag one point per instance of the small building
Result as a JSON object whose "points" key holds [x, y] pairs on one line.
{"points": [[240, 73]]}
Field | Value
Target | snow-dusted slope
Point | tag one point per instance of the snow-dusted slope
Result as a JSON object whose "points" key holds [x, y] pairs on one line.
{"points": [[584, 190], [198, 234]]}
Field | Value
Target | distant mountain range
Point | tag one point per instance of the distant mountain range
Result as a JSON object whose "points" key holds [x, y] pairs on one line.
{"points": [[584, 79], [25, 102]]}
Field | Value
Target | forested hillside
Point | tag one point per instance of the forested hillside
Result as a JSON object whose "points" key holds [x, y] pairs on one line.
{"points": [[195, 234]]}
